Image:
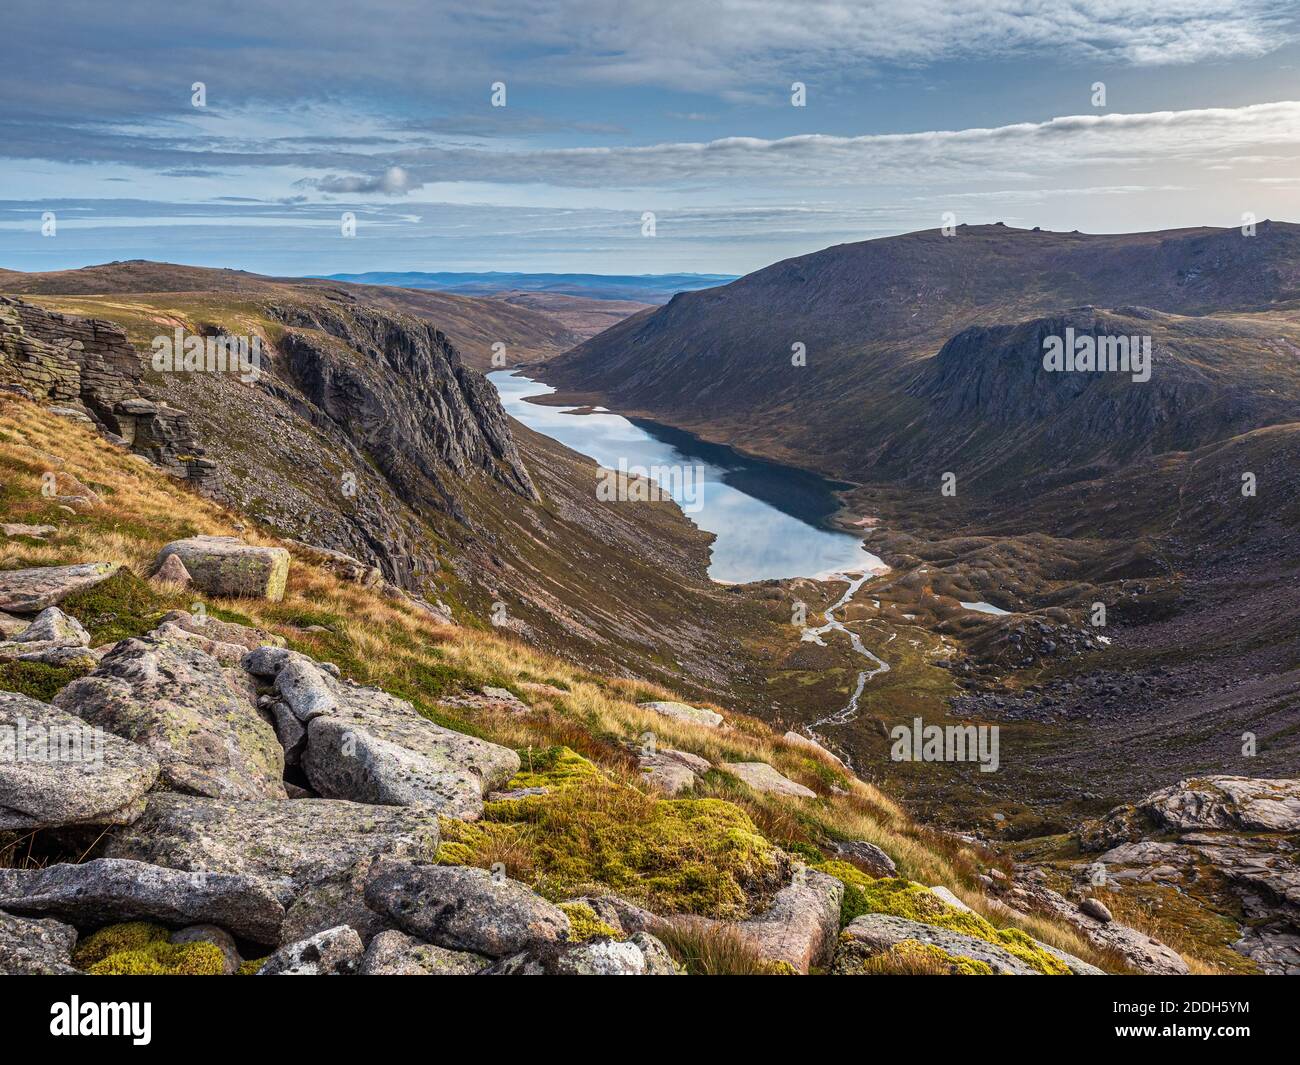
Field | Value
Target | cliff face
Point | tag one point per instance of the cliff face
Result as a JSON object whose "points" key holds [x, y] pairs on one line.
{"points": [[398, 389], [991, 408], [869, 316], [90, 366]]}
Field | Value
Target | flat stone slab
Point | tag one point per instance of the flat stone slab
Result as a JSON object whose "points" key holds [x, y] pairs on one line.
{"points": [[873, 934], [55, 769], [31, 947], [226, 566], [29, 591], [109, 890], [696, 715], [797, 739], [189, 712], [397, 954], [762, 777], [295, 843], [464, 908]]}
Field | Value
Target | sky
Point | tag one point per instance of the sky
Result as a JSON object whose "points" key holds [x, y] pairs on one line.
{"points": [[537, 135]]}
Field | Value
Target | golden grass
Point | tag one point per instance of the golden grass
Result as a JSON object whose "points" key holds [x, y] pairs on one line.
{"points": [[395, 645]]}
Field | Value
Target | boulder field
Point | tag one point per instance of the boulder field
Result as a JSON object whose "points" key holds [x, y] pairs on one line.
{"points": [[259, 812]]}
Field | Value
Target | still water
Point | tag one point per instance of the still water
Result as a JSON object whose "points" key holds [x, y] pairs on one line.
{"points": [[770, 520]]}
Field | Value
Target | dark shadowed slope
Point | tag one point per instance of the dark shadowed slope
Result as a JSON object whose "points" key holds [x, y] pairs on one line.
{"points": [[873, 317]]}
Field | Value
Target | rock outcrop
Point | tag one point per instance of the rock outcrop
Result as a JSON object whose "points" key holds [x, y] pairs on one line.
{"points": [[464, 909], [368, 746], [226, 566], [197, 719], [29, 591], [56, 770], [107, 890], [294, 843], [90, 367]]}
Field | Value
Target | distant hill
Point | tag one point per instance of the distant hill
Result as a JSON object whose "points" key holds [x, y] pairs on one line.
{"points": [[473, 324], [921, 349], [640, 288]]}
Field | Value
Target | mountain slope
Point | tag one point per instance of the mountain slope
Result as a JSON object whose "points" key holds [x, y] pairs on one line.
{"points": [[473, 325], [871, 315]]}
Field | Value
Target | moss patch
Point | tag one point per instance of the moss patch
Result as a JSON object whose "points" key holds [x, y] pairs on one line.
{"points": [[140, 948], [700, 856], [551, 767], [118, 608], [915, 902], [37, 679], [584, 924]]}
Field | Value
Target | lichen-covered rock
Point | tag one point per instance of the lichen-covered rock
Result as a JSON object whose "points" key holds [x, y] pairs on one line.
{"points": [[226, 654], [696, 715], [36, 947], [54, 626], [639, 955], [333, 952], [397, 954], [366, 745], [464, 908], [874, 934], [29, 591], [295, 844], [762, 777], [672, 772], [11, 626], [56, 770], [226, 566], [188, 712], [867, 856], [338, 899], [211, 628], [107, 890], [1241, 804]]}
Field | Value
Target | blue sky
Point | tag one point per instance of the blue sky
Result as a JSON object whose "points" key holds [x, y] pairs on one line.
{"points": [[678, 107]]}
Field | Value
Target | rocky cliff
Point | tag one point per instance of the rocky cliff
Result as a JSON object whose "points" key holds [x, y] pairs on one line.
{"points": [[88, 367]]}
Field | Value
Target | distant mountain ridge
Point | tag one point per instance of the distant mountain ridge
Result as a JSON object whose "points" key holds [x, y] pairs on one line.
{"points": [[644, 288], [882, 321]]}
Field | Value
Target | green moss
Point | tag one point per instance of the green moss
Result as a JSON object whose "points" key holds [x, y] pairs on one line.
{"points": [[915, 902], [140, 948], [118, 608], [39, 680], [584, 924], [551, 767], [806, 851], [699, 856], [250, 967]]}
